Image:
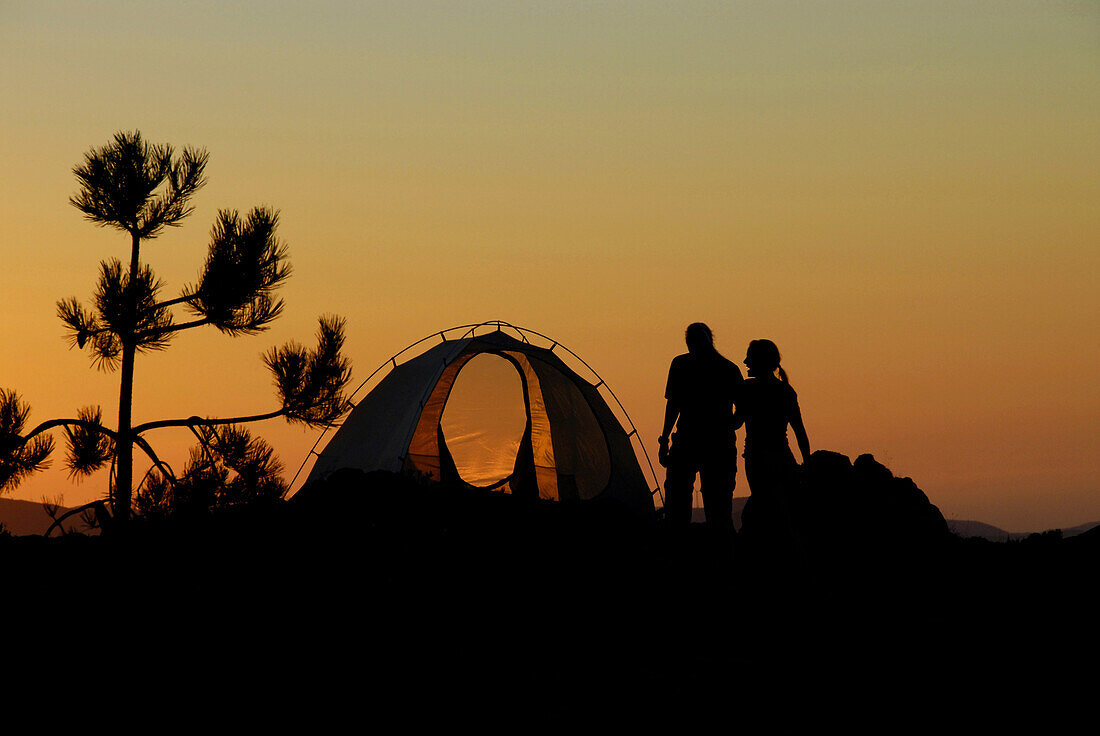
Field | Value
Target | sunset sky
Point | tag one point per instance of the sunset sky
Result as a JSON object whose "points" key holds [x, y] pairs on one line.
{"points": [[902, 195]]}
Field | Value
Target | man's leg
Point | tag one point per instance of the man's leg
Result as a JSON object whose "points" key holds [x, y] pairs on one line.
{"points": [[679, 486]]}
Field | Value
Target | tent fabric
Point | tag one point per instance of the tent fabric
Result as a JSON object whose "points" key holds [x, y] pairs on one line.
{"points": [[573, 446]]}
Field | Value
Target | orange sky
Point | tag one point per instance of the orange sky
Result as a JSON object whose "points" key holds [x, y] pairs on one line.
{"points": [[902, 195]]}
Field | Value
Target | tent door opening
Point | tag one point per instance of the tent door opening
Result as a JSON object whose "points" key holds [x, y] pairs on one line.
{"points": [[484, 419]]}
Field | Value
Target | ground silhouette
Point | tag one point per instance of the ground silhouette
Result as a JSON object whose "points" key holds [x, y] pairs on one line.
{"points": [[406, 581]]}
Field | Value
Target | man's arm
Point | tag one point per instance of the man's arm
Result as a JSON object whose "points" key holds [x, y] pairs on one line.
{"points": [[672, 411], [672, 405], [737, 420], [737, 388]]}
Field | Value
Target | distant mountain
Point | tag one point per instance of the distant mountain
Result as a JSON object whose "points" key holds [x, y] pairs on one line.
{"points": [[960, 527], [21, 518], [1073, 531], [966, 528], [24, 517]]}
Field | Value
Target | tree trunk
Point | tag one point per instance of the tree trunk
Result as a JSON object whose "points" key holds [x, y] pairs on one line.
{"points": [[124, 464]]}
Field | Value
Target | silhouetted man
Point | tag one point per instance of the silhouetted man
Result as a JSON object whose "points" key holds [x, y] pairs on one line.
{"points": [[702, 388]]}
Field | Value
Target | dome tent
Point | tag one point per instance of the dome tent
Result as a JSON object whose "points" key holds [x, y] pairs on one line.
{"points": [[573, 446]]}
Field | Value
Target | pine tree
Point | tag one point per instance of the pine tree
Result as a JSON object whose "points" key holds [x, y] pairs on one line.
{"points": [[141, 189]]}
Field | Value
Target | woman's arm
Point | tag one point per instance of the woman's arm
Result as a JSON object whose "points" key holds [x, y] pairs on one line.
{"points": [[800, 433]]}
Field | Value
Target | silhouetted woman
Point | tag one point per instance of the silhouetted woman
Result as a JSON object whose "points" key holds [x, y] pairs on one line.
{"points": [[768, 405]]}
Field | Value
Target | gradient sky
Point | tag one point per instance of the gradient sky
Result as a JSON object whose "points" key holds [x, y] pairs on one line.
{"points": [[902, 195]]}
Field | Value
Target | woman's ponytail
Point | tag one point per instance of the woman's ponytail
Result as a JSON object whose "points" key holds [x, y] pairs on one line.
{"points": [[782, 375]]}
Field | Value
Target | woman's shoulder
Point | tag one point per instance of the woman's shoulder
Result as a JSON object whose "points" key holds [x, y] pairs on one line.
{"points": [[787, 392], [763, 386]]}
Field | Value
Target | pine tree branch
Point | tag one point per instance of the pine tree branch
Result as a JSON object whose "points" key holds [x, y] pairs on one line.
{"points": [[139, 336], [185, 299], [200, 422], [68, 423], [73, 512]]}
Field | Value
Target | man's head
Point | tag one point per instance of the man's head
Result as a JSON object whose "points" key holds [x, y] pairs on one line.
{"points": [[699, 338]]}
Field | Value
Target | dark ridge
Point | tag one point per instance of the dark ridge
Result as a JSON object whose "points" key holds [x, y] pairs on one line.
{"points": [[407, 581]]}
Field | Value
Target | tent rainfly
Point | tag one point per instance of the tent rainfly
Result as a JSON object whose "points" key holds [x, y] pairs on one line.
{"points": [[573, 446]]}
